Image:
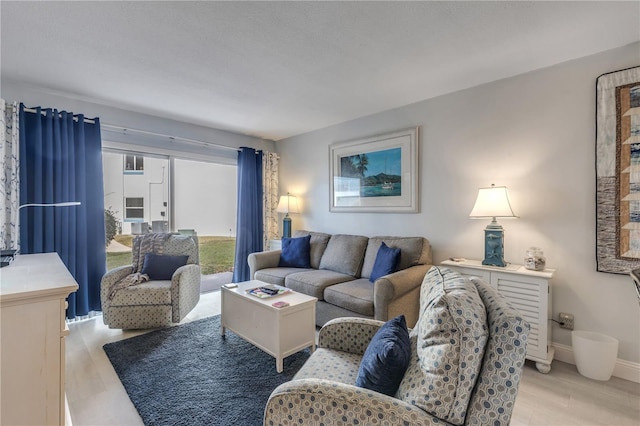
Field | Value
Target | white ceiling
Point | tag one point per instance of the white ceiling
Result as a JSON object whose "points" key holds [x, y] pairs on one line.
{"points": [[279, 69]]}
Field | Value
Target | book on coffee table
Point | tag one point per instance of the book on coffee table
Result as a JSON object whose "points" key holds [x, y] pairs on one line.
{"points": [[268, 290]]}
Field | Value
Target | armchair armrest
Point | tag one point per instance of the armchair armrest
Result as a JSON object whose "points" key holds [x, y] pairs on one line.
{"points": [[185, 290], [348, 334], [262, 260], [110, 278], [339, 403]]}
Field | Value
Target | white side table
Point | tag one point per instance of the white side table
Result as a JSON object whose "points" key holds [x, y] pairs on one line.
{"points": [[527, 291]]}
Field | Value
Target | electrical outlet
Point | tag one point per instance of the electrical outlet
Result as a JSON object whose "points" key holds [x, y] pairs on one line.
{"points": [[566, 320]]}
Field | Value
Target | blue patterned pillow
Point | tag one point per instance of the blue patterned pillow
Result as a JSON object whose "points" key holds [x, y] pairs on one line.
{"points": [[386, 262], [160, 267], [296, 252], [386, 358]]}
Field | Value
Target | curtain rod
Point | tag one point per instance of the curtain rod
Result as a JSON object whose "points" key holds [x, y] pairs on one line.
{"points": [[124, 130], [75, 116]]}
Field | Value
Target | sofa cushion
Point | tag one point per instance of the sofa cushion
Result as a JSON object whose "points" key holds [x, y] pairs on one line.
{"points": [[295, 252], [314, 282], [386, 262], [386, 358], [318, 245], [354, 295], [344, 254], [451, 336], [411, 249], [159, 267], [276, 275]]}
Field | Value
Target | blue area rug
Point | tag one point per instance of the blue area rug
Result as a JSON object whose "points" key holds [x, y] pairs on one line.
{"points": [[190, 375]]}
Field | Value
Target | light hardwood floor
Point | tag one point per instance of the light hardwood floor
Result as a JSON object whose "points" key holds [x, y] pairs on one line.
{"points": [[562, 397]]}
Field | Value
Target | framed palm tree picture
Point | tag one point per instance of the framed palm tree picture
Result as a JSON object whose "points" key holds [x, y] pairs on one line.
{"points": [[375, 174]]}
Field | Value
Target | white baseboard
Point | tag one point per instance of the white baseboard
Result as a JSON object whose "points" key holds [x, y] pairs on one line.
{"points": [[624, 369]]}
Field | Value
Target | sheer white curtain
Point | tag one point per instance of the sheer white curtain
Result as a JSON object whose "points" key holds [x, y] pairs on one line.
{"points": [[10, 201], [270, 195]]}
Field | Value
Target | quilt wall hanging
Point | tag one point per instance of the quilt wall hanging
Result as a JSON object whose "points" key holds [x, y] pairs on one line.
{"points": [[618, 171]]}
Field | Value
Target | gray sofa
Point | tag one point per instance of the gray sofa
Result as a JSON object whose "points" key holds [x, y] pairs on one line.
{"points": [[339, 276], [468, 349]]}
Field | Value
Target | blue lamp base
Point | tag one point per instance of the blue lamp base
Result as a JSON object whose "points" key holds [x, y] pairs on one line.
{"points": [[286, 227], [494, 245]]}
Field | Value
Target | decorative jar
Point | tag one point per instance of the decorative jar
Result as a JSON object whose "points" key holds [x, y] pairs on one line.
{"points": [[534, 259]]}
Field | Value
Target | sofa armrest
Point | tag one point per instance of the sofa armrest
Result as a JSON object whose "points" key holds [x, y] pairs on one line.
{"points": [[263, 260], [348, 334], [399, 293], [318, 401], [185, 290]]}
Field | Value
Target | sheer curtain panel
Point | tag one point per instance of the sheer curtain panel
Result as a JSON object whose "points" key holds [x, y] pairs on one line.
{"points": [[10, 176], [61, 161], [270, 189]]}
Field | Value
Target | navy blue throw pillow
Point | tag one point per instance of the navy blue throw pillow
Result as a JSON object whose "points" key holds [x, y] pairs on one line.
{"points": [[386, 262], [296, 252], [160, 267], [386, 358]]}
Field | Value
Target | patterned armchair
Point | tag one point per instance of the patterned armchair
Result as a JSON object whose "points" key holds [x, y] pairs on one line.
{"points": [[467, 353], [132, 299]]}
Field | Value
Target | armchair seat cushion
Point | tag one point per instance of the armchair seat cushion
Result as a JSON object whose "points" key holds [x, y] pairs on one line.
{"points": [[332, 365], [148, 293], [315, 281], [355, 295]]}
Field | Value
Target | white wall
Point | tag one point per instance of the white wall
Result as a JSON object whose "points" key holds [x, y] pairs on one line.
{"points": [[534, 133]]}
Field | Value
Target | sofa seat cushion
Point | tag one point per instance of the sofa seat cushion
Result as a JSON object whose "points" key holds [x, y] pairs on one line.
{"points": [[344, 254], [276, 275], [329, 364], [451, 336], [355, 295], [314, 282], [147, 293], [410, 252]]}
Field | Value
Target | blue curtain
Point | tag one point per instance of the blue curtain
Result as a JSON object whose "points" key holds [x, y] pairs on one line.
{"points": [[249, 216], [61, 161]]}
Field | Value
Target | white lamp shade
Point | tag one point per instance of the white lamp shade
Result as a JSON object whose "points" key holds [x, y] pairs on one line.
{"points": [[492, 202], [288, 204]]}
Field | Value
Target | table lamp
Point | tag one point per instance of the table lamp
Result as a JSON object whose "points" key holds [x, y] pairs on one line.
{"points": [[493, 202], [288, 204]]}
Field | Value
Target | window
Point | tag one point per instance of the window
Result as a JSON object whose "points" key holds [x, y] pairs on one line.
{"points": [[134, 209], [172, 194], [133, 164]]}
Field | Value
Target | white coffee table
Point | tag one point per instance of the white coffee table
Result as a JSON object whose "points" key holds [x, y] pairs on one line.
{"points": [[279, 332]]}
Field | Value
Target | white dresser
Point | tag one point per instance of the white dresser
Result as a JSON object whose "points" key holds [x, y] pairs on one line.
{"points": [[527, 291], [33, 290]]}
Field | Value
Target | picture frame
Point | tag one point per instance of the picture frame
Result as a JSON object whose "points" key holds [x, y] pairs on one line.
{"points": [[618, 171], [375, 174]]}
